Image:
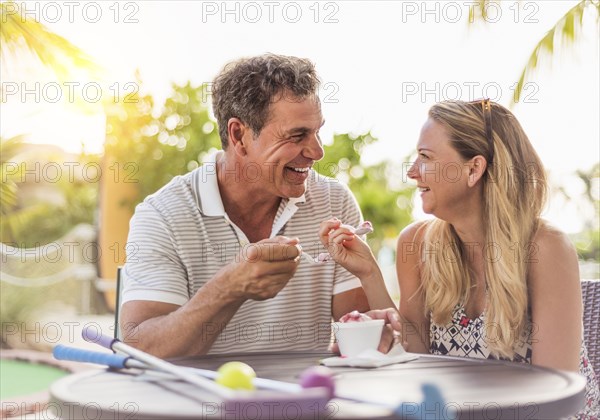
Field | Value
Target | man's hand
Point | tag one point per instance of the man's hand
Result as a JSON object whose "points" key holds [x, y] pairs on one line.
{"points": [[261, 270]]}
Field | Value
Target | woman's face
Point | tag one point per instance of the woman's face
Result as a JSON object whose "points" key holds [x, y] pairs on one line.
{"points": [[441, 174]]}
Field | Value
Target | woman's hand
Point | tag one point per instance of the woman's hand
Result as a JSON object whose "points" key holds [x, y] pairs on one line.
{"points": [[390, 333], [390, 315], [346, 248], [391, 329]]}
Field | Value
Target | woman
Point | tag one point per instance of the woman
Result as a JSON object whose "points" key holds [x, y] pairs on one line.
{"points": [[486, 278]]}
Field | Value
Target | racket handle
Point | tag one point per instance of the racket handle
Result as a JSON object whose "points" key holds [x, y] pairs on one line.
{"points": [[61, 352], [94, 336]]}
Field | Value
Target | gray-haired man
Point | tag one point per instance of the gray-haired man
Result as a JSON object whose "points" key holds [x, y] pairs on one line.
{"points": [[216, 267]]}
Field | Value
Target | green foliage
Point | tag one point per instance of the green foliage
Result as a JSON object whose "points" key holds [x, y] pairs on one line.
{"points": [[588, 245], [160, 148], [386, 206], [40, 222], [10, 175], [591, 180], [588, 241], [28, 224]]}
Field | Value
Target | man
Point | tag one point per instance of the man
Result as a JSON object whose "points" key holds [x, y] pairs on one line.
{"points": [[216, 265]]}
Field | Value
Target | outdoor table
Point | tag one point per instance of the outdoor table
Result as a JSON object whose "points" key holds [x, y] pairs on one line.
{"points": [[470, 388]]}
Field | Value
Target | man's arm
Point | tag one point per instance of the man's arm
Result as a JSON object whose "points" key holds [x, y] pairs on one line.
{"points": [[170, 330], [348, 301]]}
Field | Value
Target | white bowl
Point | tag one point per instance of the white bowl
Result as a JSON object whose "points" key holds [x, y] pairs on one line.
{"points": [[355, 337]]}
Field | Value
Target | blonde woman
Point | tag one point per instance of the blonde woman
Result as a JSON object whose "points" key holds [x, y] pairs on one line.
{"points": [[487, 277]]}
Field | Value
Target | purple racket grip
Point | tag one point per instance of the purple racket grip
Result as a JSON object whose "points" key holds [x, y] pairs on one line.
{"points": [[61, 352], [94, 336]]}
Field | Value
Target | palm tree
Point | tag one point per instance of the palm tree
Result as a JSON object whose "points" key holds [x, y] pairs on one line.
{"points": [[19, 34], [567, 29]]}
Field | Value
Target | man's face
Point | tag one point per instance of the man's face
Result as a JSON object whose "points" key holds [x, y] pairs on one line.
{"points": [[287, 147]]}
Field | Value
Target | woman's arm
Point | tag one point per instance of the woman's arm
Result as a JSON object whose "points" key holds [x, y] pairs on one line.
{"points": [[415, 323], [354, 255], [555, 297]]}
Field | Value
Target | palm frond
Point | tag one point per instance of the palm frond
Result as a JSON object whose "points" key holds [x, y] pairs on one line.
{"points": [[478, 10], [567, 29], [10, 147], [20, 33]]}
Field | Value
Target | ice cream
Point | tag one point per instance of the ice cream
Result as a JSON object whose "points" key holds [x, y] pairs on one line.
{"points": [[355, 316], [364, 228]]}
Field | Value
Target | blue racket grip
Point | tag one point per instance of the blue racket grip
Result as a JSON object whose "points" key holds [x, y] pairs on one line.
{"points": [[61, 352]]}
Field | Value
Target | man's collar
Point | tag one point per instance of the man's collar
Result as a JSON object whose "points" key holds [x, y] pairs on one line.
{"points": [[208, 188]]}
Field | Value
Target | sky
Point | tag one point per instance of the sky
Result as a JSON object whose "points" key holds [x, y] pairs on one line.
{"points": [[382, 64]]}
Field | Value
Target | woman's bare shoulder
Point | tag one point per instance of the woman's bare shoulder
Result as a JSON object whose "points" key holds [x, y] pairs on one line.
{"points": [[550, 242], [551, 257], [413, 233]]}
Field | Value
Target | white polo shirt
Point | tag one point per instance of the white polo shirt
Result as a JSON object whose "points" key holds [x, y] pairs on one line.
{"points": [[181, 236]]}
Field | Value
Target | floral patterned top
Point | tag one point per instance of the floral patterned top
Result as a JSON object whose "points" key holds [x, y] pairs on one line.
{"points": [[465, 337]]}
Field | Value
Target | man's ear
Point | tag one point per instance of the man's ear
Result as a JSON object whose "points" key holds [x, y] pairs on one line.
{"points": [[237, 132], [476, 167]]}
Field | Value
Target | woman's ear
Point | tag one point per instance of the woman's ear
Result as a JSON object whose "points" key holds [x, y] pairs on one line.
{"points": [[476, 166], [236, 131]]}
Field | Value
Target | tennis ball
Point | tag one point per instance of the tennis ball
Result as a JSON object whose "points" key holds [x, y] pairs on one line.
{"points": [[236, 375]]}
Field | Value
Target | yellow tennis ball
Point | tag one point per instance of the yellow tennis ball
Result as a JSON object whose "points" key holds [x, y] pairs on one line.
{"points": [[236, 375]]}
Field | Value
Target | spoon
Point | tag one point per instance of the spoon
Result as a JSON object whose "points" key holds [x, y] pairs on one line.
{"points": [[362, 229]]}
